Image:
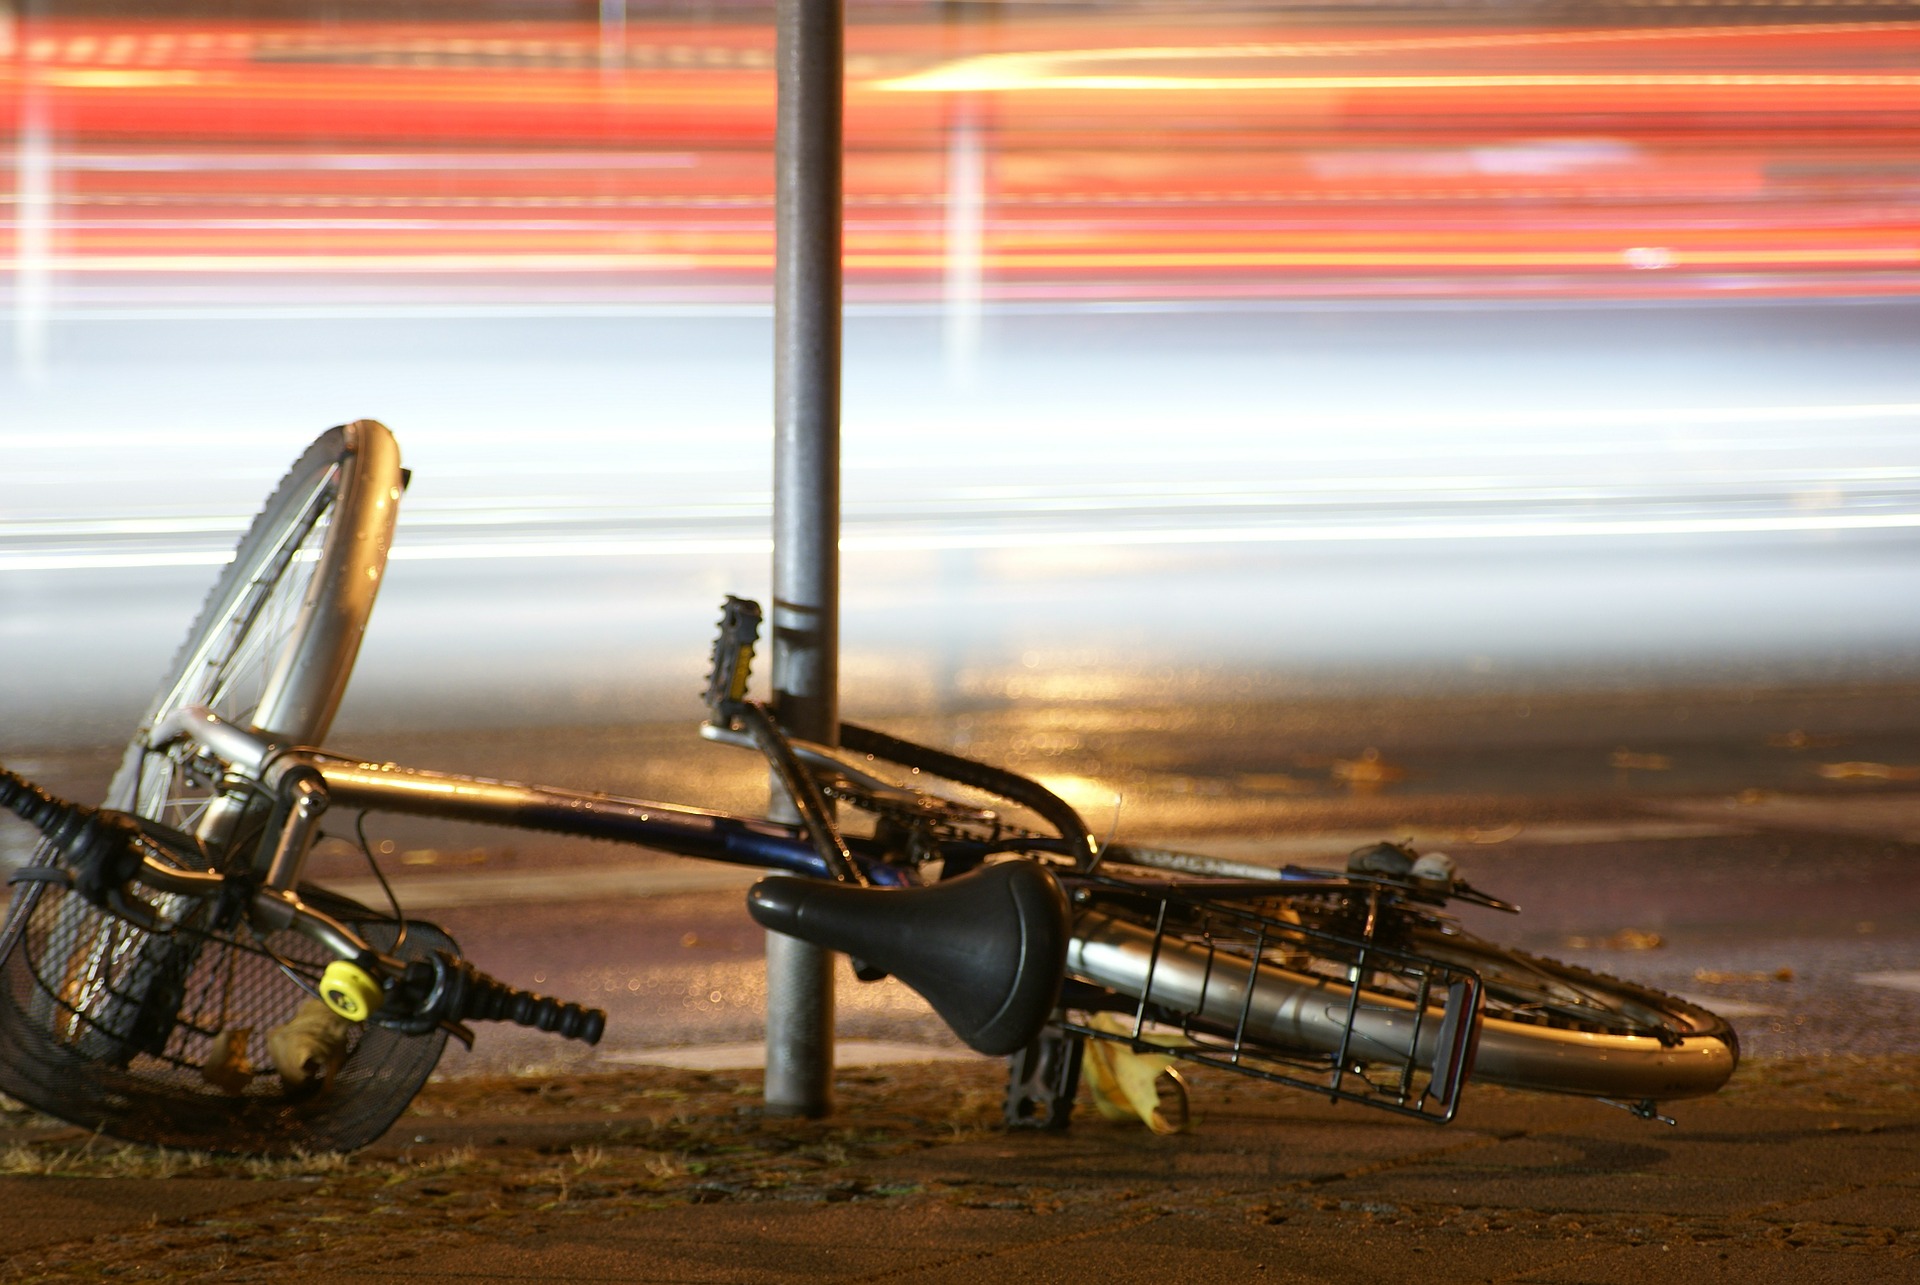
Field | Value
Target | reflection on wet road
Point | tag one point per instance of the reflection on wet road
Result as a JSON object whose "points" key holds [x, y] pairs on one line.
{"points": [[1808, 941]]}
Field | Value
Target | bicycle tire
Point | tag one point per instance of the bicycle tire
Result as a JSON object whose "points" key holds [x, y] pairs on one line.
{"points": [[275, 643], [1558, 1028], [1635, 1044], [271, 651]]}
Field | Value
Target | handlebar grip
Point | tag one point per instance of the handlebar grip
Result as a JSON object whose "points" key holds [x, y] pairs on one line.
{"points": [[472, 996], [101, 848]]}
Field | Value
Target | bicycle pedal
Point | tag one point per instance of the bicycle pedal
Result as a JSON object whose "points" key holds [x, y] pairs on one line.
{"points": [[739, 631]]}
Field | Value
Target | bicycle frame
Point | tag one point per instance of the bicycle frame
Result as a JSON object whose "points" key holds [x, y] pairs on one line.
{"points": [[390, 787], [309, 781]]}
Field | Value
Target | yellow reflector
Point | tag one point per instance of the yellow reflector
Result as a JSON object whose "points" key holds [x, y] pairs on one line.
{"points": [[349, 990]]}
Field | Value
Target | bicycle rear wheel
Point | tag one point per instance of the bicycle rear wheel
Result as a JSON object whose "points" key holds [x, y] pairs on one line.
{"points": [[1557, 1028], [1248, 986]]}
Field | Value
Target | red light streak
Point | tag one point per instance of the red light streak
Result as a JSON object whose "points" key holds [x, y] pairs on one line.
{"points": [[1770, 159]]}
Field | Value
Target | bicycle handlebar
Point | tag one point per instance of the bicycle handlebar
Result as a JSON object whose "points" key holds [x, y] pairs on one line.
{"points": [[101, 847]]}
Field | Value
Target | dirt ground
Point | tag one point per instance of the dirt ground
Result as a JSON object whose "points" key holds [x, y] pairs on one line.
{"points": [[504, 1159]]}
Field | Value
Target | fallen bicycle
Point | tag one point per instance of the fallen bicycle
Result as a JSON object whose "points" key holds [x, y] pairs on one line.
{"points": [[168, 975]]}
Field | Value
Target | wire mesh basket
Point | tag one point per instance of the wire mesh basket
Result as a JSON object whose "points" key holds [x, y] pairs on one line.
{"points": [[163, 1039]]}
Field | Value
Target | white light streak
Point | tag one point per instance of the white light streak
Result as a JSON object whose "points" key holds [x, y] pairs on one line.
{"points": [[965, 249], [1087, 537], [1899, 981], [113, 561], [1083, 69], [1319, 424]]}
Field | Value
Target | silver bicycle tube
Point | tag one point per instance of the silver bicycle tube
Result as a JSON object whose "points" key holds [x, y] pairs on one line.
{"points": [[390, 787]]}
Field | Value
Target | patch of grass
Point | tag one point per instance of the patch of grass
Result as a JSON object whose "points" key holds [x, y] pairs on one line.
{"points": [[505, 1155], [99, 1157], [508, 1148]]}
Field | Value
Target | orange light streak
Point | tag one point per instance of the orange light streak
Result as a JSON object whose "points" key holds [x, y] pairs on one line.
{"points": [[1648, 159]]}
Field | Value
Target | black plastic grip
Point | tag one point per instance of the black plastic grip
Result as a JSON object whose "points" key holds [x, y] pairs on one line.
{"points": [[29, 802], [472, 996], [101, 848]]}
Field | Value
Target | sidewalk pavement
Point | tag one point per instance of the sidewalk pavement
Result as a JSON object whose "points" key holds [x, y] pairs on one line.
{"points": [[1799, 1172]]}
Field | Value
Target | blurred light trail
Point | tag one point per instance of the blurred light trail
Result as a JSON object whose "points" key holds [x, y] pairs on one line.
{"points": [[1100, 535], [398, 162], [1055, 69], [1527, 347], [1545, 473], [1033, 74], [1351, 160]]}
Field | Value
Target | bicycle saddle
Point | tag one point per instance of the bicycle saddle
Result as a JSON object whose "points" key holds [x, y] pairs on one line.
{"points": [[987, 950]]}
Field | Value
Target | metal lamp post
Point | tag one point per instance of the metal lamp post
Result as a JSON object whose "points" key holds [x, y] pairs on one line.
{"points": [[806, 494]]}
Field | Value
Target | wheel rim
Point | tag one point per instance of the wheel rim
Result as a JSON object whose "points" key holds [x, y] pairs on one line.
{"points": [[1530, 991], [238, 664]]}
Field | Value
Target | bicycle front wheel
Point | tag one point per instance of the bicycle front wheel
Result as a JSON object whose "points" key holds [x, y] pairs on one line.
{"points": [[271, 651], [275, 643]]}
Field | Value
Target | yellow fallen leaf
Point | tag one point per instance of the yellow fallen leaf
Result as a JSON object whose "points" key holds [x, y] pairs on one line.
{"points": [[1636, 939], [227, 1067], [1719, 977], [309, 1047], [1625, 939], [1124, 1084]]}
